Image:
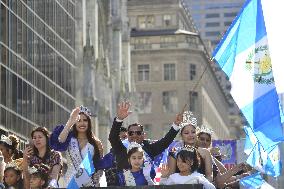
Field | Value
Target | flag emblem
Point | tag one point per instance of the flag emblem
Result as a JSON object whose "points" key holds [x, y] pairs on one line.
{"points": [[258, 63]]}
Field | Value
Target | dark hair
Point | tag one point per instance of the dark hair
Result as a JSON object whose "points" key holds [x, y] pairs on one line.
{"points": [[18, 172], [46, 133], [91, 139], [15, 153], [133, 150], [123, 129], [186, 126], [42, 172], [134, 125], [186, 155], [200, 133]]}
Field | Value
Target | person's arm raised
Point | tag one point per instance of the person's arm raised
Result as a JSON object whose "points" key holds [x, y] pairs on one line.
{"points": [[74, 116]]}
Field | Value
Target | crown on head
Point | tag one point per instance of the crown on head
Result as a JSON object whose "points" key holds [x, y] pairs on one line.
{"points": [[188, 119], [6, 140], [133, 145], [12, 164], [204, 129], [188, 148], [85, 110], [38, 168]]}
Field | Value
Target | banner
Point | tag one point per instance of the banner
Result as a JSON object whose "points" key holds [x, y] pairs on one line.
{"points": [[228, 150]]}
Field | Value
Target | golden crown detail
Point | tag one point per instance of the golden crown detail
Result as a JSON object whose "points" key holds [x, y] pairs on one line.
{"points": [[11, 164], [204, 129], [6, 140], [188, 119], [133, 145]]}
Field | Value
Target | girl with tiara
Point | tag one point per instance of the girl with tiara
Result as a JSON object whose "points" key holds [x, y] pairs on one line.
{"points": [[137, 175], [188, 162], [77, 139], [38, 177], [13, 176]]}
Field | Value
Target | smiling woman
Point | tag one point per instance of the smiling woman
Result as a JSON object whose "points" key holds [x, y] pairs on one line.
{"points": [[77, 139]]}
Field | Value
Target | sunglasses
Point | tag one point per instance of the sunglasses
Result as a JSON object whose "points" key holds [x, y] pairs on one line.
{"points": [[131, 133]]}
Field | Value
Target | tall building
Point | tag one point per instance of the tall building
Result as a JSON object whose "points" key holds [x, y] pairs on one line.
{"points": [[213, 17], [103, 61], [37, 64], [171, 68]]}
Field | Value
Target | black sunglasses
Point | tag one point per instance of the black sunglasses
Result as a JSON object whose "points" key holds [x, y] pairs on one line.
{"points": [[130, 133]]}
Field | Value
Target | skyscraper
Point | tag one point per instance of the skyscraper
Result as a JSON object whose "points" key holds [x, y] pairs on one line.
{"points": [[213, 17], [37, 63]]}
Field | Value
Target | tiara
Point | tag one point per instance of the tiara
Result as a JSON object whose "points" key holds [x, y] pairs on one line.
{"points": [[188, 119], [188, 148], [32, 170], [204, 129], [85, 110], [6, 140], [11, 164], [133, 145]]}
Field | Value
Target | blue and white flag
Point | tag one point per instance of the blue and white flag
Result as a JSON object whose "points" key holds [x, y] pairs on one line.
{"points": [[82, 177], [244, 55], [268, 161], [255, 181]]}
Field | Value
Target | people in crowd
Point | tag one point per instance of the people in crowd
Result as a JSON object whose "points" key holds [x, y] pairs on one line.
{"points": [[188, 161], [39, 152], [9, 148], [139, 172], [13, 176], [221, 176], [2, 168], [77, 139], [136, 134], [123, 133], [39, 177], [189, 137]]}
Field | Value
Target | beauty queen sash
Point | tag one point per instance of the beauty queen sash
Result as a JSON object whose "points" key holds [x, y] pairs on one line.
{"points": [[81, 176]]}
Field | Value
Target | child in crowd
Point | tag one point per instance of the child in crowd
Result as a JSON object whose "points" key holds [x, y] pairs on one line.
{"points": [[13, 176], [137, 175], [38, 176], [188, 161]]}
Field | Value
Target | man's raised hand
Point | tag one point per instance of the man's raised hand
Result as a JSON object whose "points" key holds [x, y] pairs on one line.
{"points": [[123, 110]]}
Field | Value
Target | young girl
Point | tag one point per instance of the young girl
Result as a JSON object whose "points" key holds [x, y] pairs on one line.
{"points": [[137, 175], [188, 161], [38, 176], [13, 176]]}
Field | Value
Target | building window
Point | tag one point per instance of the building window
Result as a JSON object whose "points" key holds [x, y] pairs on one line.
{"points": [[170, 101], [212, 24], [212, 33], [146, 21], [230, 14], [143, 72], [144, 102], [192, 71], [193, 101], [213, 15], [227, 23], [168, 41], [169, 72], [167, 19]]}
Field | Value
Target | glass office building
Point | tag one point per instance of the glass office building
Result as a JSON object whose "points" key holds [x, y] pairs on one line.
{"points": [[37, 63]]}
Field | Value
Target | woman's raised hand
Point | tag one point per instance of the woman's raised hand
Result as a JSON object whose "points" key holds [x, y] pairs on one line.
{"points": [[74, 116], [123, 110], [179, 116], [165, 171]]}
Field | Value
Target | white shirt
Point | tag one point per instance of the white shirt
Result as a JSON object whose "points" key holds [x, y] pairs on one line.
{"points": [[194, 178]]}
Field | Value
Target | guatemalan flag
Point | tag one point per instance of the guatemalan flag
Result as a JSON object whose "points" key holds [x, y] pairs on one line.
{"points": [[244, 55]]}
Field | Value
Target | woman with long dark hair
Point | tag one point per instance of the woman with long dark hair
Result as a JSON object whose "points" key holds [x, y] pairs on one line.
{"points": [[39, 152], [77, 139]]}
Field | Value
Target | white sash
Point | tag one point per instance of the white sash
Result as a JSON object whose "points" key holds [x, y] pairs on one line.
{"points": [[81, 176]]}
